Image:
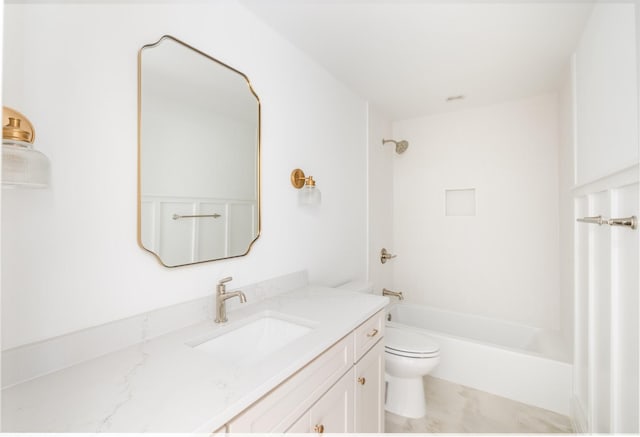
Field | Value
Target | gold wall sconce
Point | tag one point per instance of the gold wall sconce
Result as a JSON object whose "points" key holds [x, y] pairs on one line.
{"points": [[22, 165], [309, 194]]}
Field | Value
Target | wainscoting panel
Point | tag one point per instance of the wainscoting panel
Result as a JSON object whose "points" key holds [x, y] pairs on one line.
{"points": [[227, 232], [606, 389]]}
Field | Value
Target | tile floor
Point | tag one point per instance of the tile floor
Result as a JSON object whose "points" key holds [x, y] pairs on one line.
{"points": [[458, 409]]}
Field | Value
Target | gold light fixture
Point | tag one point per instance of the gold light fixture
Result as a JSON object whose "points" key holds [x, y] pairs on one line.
{"points": [[309, 194], [22, 165]]}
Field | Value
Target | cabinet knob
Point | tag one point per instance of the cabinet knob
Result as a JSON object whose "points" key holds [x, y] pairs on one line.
{"points": [[373, 333], [361, 380], [319, 429]]}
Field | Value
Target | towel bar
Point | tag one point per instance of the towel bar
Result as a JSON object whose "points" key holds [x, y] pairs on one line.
{"points": [[631, 222]]}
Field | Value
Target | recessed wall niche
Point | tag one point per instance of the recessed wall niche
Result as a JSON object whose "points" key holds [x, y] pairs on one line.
{"points": [[460, 202]]}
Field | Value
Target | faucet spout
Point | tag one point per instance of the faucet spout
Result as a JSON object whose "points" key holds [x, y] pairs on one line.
{"points": [[397, 294], [237, 293]]}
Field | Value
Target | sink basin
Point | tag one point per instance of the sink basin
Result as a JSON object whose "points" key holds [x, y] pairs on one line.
{"points": [[254, 341]]}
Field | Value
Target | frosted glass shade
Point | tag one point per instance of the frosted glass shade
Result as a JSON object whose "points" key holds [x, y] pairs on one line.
{"points": [[23, 166], [309, 195]]}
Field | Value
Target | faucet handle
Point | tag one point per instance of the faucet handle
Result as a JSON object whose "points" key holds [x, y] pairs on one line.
{"points": [[224, 280]]}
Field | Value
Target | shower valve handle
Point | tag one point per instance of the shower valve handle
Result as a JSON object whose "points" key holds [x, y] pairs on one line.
{"points": [[385, 255]]}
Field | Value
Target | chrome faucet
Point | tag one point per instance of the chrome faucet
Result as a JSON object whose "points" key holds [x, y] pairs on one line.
{"points": [[397, 294], [222, 296]]}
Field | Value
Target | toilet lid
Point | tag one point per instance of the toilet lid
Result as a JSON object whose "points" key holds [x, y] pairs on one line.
{"points": [[409, 343]]}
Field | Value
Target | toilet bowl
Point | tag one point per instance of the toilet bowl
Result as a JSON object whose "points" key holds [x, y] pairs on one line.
{"points": [[409, 356]]}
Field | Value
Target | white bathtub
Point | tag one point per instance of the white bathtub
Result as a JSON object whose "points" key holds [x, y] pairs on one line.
{"points": [[518, 362]]}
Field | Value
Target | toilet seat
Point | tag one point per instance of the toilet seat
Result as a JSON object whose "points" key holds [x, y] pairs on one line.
{"points": [[410, 344]]}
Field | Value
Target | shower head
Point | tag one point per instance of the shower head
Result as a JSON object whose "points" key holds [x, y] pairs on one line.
{"points": [[401, 146]]}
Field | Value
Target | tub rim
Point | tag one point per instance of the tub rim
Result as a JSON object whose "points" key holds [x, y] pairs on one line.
{"points": [[566, 360]]}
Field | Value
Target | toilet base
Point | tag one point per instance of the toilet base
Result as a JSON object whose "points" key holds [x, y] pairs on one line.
{"points": [[405, 396]]}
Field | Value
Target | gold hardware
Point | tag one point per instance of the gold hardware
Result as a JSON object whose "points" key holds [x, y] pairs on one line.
{"points": [[373, 333], [361, 380], [16, 126], [299, 180], [319, 429], [259, 148]]}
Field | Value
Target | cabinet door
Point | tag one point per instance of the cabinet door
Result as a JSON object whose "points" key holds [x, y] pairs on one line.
{"points": [[301, 425], [333, 413], [222, 431], [369, 391]]}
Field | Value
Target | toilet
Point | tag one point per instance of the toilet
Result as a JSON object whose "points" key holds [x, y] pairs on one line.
{"points": [[409, 356]]}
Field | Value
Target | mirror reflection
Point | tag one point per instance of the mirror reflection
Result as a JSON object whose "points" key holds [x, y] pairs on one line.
{"points": [[199, 156]]}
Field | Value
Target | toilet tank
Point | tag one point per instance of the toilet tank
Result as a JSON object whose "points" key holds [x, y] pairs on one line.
{"points": [[358, 285]]}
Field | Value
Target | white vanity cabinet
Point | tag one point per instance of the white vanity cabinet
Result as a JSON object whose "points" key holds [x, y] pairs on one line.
{"points": [[328, 394]]}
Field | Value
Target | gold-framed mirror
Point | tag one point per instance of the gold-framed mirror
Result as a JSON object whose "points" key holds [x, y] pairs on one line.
{"points": [[198, 156]]}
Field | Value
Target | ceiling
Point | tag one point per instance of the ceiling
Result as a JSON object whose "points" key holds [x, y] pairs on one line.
{"points": [[407, 57]]}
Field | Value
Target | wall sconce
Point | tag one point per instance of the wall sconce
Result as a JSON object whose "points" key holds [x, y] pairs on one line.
{"points": [[22, 165], [309, 194]]}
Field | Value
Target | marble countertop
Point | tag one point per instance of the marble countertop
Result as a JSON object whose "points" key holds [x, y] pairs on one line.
{"points": [[165, 385]]}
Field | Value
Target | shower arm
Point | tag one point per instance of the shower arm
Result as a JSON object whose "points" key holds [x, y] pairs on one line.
{"points": [[401, 146]]}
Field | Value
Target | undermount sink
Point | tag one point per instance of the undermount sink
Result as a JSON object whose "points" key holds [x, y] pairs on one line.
{"points": [[253, 341]]}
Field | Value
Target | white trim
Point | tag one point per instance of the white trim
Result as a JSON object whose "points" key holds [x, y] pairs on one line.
{"points": [[625, 176], [577, 416], [574, 117]]}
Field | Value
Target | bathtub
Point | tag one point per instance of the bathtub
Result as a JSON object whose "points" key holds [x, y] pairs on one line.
{"points": [[522, 363]]}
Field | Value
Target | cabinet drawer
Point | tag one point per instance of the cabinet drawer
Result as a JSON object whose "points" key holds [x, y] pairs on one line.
{"points": [[367, 334]]}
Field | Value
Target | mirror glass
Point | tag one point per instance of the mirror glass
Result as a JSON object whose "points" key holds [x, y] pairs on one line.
{"points": [[199, 156]]}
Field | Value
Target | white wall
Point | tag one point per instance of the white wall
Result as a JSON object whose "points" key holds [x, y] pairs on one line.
{"points": [[566, 179], [380, 176], [503, 262], [606, 88], [70, 257]]}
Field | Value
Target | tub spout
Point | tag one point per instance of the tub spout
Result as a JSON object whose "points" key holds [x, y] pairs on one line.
{"points": [[397, 294]]}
